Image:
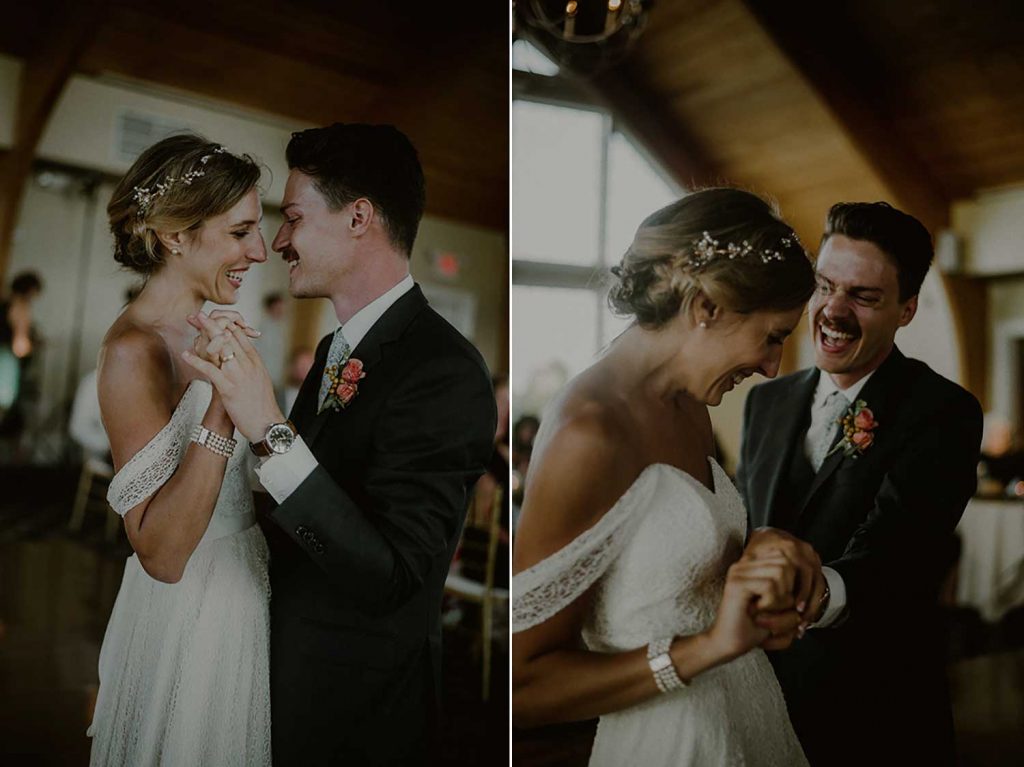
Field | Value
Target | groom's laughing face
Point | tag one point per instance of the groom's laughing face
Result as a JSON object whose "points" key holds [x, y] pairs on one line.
{"points": [[855, 310]]}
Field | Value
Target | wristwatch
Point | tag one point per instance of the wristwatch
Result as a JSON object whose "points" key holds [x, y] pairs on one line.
{"points": [[279, 440]]}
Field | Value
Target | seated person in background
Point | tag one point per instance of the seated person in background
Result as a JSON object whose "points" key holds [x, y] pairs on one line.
{"points": [[86, 425], [495, 478], [1000, 464]]}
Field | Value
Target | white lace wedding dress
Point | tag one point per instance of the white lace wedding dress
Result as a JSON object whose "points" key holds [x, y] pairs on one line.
{"points": [[184, 667], [657, 562]]}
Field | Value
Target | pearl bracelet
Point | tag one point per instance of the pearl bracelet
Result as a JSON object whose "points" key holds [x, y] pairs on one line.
{"points": [[215, 443], [665, 674]]}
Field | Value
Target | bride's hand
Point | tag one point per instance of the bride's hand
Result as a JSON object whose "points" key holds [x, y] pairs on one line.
{"points": [[224, 319], [752, 585]]}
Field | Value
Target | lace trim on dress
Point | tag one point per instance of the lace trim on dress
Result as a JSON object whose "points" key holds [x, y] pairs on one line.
{"points": [[147, 470], [554, 583]]}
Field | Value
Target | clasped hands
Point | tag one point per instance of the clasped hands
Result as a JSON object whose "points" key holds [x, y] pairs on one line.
{"points": [[772, 594], [223, 352]]}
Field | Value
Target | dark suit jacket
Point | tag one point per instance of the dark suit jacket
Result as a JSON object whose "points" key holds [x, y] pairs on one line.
{"points": [[870, 690], [360, 551]]}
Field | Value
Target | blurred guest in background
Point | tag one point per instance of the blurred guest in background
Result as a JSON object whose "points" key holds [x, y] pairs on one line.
{"points": [[298, 368], [271, 343], [495, 479], [18, 341]]}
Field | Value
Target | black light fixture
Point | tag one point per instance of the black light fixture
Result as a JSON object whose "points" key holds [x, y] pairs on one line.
{"points": [[585, 36]]}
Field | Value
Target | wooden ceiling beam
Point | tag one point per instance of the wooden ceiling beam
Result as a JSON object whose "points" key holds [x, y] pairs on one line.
{"points": [[44, 75], [837, 70]]}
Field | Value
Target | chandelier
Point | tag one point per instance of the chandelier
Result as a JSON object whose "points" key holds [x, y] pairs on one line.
{"points": [[585, 36]]}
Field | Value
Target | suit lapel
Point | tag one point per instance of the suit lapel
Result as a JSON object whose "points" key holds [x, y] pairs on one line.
{"points": [[881, 394], [387, 329], [791, 419]]}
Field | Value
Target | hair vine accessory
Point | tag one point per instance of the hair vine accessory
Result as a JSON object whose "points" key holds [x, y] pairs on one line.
{"points": [[144, 196], [707, 249]]}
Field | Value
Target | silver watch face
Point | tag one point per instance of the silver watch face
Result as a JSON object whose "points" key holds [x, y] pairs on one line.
{"points": [[280, 438]]}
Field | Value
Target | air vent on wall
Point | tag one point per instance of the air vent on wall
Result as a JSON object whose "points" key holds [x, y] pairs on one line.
{"points": [[135, 131]]}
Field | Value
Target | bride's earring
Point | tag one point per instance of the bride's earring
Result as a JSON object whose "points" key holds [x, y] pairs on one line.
{"points": [[704, 325], [175, 252]]}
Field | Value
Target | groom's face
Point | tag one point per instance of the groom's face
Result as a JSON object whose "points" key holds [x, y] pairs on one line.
{"points": [[855, 310], [314, 240]]}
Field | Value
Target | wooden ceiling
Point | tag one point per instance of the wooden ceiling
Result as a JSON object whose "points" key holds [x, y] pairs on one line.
{"points": [[439, 73], [918, 103]]}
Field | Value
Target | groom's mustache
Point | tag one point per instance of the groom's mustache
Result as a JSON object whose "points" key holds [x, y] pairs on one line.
{"points": [[851, 328]]}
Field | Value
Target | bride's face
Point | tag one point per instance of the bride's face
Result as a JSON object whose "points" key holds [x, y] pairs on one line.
{"points": [[736, 346], [220, 252]]}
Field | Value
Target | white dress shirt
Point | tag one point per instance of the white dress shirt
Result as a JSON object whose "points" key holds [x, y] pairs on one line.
{"points": [[282, 474], [836, 587]]}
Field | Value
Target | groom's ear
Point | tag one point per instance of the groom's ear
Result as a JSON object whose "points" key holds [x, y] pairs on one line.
{"points": [[362, 216], [908, 311]]}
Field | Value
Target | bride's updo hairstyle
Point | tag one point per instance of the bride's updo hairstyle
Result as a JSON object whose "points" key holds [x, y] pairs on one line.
{"points": [[174, 186], [728, 243]]}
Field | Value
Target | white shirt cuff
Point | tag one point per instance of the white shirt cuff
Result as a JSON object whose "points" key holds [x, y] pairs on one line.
{"points": [[836, 600], [282, 474]]}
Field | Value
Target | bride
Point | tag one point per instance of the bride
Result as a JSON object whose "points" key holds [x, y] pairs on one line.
{"points": [[184, 663], [631, 534]]}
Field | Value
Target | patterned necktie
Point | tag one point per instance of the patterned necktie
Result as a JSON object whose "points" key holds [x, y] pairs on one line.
{"points": [[337, 356], [835, 405]]}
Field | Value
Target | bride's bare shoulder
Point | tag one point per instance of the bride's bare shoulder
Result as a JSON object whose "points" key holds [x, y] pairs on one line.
{"points": [[581, 465], [134, 356]]}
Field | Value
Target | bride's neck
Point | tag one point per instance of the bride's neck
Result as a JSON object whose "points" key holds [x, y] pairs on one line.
{"points": [[651, 362], [167, 300]]}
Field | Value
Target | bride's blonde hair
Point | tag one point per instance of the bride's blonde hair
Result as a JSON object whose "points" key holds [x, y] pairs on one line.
{"points": [[729, 244], [174, 185]]}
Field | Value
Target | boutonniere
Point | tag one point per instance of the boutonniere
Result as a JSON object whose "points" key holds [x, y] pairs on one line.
{"points": [[859, 426], [344, 383]]}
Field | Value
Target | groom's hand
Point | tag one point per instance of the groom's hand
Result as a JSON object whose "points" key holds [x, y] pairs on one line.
{"points": [[770, 541], [784, 628], [241, 378]]}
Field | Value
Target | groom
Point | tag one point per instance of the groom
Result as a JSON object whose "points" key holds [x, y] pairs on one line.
{"points": [[878, 501], [373, 472]]}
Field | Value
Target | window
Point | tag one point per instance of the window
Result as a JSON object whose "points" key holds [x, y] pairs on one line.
{"points": [[580, 188]]}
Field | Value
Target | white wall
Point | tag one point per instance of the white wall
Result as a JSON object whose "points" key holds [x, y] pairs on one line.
{"points": [[992, 228], [82, 130]]}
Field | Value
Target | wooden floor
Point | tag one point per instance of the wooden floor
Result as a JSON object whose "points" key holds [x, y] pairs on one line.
{"points": [[986, 674], [57, 590], [56, 593]]}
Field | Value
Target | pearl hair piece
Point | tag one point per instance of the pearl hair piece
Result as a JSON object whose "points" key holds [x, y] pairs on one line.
{"points": [[144, 196], [707, 249]]}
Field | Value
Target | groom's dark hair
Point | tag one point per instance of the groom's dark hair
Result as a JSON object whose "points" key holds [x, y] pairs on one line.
{"points": [[352, 160], [897, 234]]}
